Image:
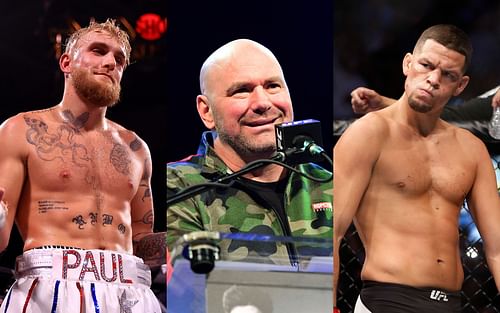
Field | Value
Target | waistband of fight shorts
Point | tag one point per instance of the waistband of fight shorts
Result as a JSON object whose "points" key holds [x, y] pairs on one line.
{"points": [[84, 265]]}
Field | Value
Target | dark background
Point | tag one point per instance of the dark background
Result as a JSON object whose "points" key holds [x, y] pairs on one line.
{"points": [[30, 78], [372, 37], [160, 87]]}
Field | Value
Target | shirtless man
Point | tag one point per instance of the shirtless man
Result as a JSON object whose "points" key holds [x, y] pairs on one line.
{"points": [[78, 187], [402, 174]]}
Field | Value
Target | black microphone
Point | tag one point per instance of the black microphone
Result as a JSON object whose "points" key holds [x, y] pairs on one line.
{"points": [[299, 141]]}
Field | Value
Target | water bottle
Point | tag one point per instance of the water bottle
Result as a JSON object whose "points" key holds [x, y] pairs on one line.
{"points": [[494, 125]]}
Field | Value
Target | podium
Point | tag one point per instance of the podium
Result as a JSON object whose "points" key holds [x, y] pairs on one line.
{"points": [[302, 283]]}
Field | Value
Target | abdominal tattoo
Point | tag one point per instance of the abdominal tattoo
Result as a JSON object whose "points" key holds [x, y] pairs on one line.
{"points": [[45, 206], [105, 220], [78, 220]]}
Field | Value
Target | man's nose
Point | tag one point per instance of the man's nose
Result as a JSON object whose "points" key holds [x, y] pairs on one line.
{"points": [[109, 61], [434, 78], [260, 100]]}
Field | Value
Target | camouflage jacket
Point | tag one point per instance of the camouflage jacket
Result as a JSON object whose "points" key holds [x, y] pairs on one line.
{"points": [[308, 205]]}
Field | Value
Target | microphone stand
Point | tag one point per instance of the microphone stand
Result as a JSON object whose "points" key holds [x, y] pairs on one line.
{"points": [[224, 181]]}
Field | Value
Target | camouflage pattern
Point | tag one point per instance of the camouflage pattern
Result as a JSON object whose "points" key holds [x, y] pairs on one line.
{"points": [[308, 205]]}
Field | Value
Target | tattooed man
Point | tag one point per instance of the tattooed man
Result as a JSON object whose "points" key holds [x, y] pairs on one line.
{"points": [[78, 187]]}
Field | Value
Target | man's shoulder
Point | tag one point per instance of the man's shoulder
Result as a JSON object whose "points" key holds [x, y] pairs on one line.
{"points": [[466, 137], [120, 129], [192, 163], [20, 121], [187, 169], [373, 122], [35, 119], [128, 136], [371, 129], [17, 131]]}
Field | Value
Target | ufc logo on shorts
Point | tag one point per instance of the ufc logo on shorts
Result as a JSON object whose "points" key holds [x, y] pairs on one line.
{"points": [[438, 296]]}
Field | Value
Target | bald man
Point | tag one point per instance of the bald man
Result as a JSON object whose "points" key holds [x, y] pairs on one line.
{"points": [[243, 95]]}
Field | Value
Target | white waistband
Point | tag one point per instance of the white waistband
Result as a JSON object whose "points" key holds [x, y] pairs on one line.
{"points": [[84, 265]]}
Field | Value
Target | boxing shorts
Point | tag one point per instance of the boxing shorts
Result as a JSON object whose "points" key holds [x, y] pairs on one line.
{"points": [[80, 281]]}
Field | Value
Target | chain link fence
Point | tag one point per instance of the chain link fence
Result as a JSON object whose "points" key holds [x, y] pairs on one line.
{"points": [[479, 293]]}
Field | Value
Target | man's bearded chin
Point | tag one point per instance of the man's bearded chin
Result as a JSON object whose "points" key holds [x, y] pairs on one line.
{"points": [[244, 146], [419, 106], [93, 91]]}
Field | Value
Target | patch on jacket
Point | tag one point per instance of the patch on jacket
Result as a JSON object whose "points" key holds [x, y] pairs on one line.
{"points": [[322, 206]]}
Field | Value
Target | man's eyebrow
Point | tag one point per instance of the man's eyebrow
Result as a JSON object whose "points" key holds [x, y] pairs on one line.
{"points": [[274, 79], [426, 60], [446, 69], [238, 85], [100, 44]]}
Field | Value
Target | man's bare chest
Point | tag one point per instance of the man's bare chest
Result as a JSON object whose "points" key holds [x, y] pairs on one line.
{"points": [[425, 169], [61, 157]]}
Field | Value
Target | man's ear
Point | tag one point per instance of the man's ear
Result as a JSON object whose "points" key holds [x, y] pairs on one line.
{"points": [[65, 63], [464, 81], [205, 111], [407, 63]]}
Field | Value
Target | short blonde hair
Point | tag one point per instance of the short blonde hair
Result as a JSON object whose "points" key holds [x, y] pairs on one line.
{"points": [[109, 27]]}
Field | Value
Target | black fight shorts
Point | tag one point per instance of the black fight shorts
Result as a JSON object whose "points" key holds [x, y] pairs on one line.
{"points": [[376, 297]]}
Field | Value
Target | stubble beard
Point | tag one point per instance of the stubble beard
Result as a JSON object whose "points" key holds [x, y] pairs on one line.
{"points": [[419, 106], [244, 146], [93, 91]]}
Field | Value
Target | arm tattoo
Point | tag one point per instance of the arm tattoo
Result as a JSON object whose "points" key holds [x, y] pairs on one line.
{"points": [[147, 219], [146, 173], [152, 249], [147, 193], [135, 144], [120, 159], [144, 181]]}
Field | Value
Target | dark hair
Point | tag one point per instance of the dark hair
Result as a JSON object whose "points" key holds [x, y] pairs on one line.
{"points": [[237, 296], [451, 37]]}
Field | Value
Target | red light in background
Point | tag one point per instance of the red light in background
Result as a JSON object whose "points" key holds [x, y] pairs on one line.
{"points": [[151, 26]]}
